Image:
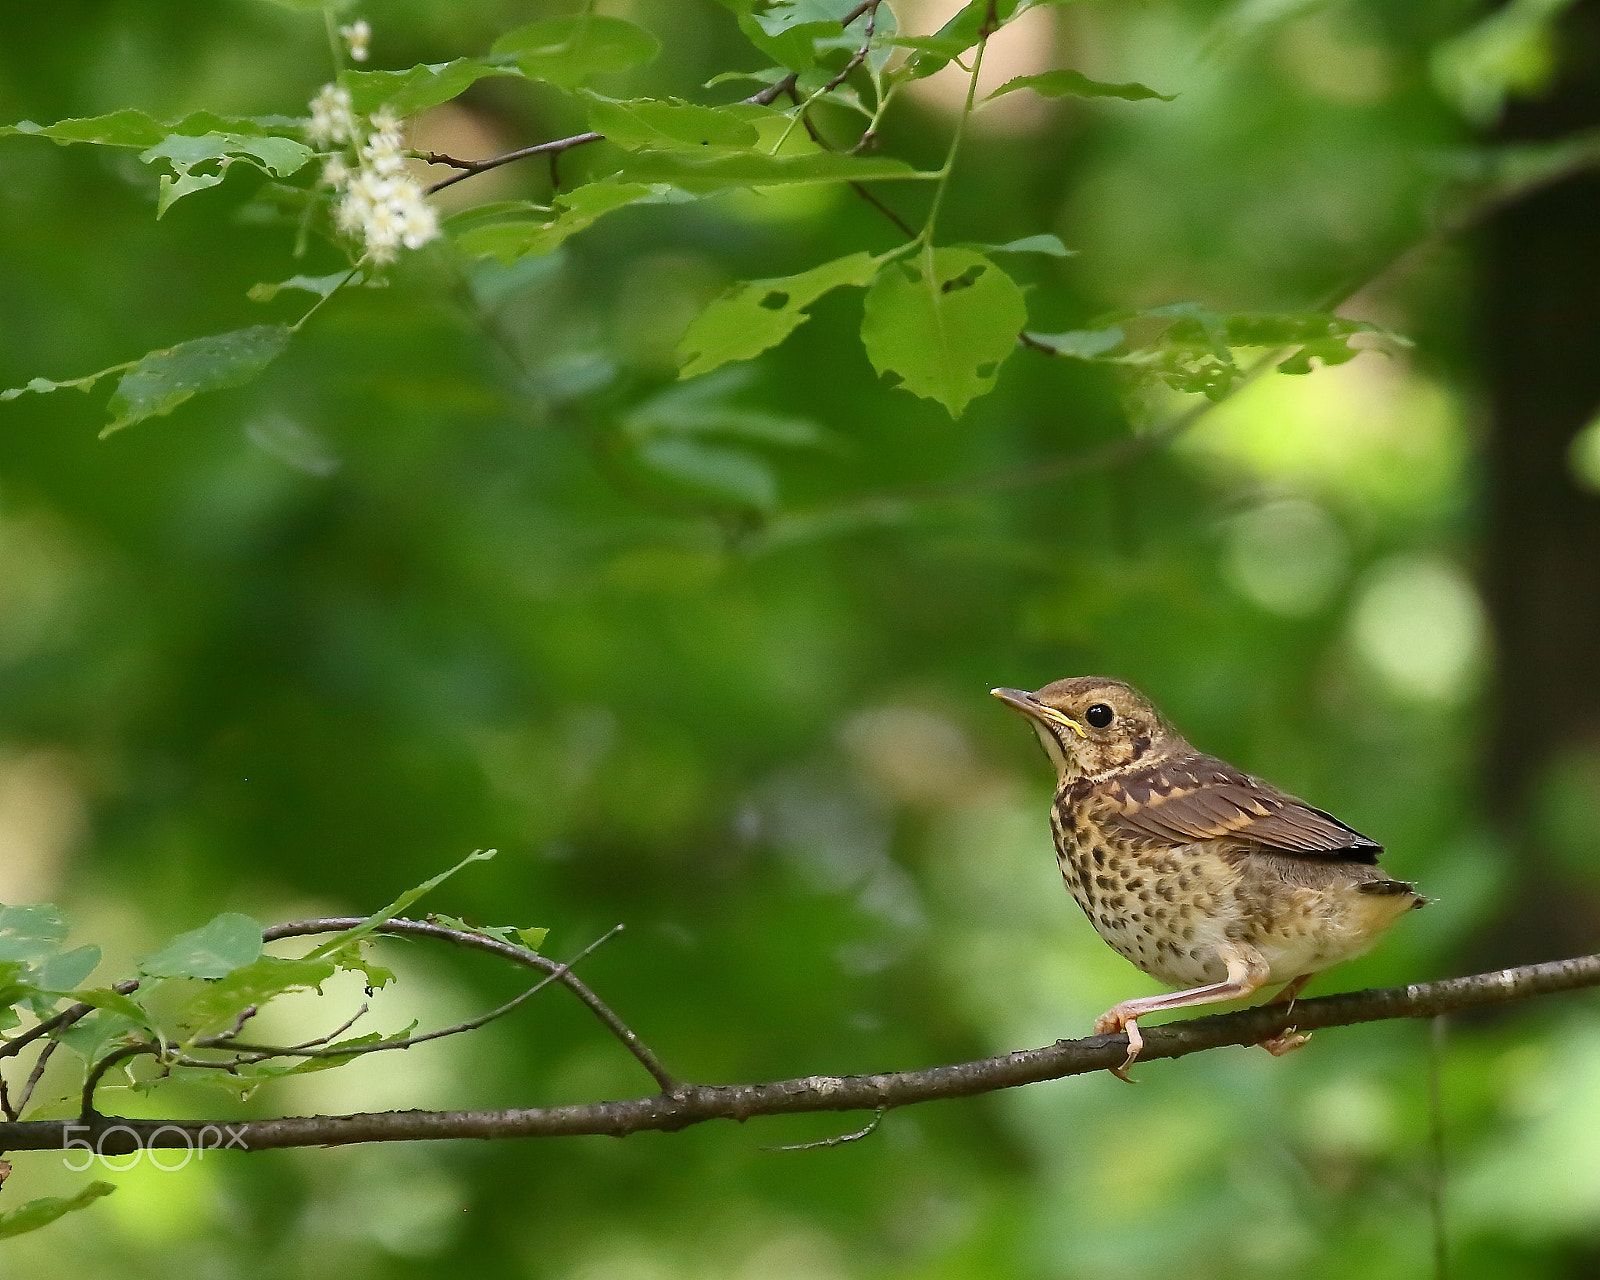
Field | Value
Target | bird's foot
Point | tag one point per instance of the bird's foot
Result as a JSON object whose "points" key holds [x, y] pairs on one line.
{"points": [[1286, 1041], [1113, 1022]]}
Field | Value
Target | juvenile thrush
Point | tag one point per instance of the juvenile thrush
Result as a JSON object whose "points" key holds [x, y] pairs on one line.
{"points": [[1205, 877]]}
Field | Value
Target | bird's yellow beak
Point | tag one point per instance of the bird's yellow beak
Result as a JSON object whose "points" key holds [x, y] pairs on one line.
{"points": [[1026, 703]]}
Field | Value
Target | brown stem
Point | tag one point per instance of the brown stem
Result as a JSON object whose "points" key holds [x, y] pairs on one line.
{"points": [[695, 1104]]}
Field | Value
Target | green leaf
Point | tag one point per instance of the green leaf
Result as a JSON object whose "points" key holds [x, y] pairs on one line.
{"points": [[42, 386], [1045, 244], [417, 88], [786, 31], [31, 933], [277, 156], [214, 1006], [667, 124], [93, 1037], [164, 379], [702, 174], [130, 128], [351, 958], [218, 947], [567, 50], [42, 1212], [112, 1002], [65, 970], [730, 475], [1082, 344], [579, 208], [375, 921], [943, 322], [698, 409], [322, 286], [1064, 83], [959, 34], [509, 934], [758, 314]]}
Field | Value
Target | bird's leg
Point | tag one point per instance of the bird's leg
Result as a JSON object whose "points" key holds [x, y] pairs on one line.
{"points": [[1289, 1039], [1247, 971]]}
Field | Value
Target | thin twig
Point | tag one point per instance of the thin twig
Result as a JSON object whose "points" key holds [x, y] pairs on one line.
{"points": [[696, 1104], [470, 168], [838, 1140], [518, 955], [261, 1052], [36, 1074]]}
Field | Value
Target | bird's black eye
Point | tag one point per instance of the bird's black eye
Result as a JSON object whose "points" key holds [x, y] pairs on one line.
{"points": [[1099, 716]]}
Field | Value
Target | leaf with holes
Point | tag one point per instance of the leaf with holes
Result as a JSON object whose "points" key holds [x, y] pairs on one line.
{"points": [[1063, 83], [278, 156], [567, 50], [758, 314], [943, 322], [164, 379]]}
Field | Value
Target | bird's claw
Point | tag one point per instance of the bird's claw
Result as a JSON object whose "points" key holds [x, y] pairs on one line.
{"points": [[1286, 1041], [1112, 1023]]}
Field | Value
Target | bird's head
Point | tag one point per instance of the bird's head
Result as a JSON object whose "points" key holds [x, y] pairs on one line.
{"points": [[1090, 725]]}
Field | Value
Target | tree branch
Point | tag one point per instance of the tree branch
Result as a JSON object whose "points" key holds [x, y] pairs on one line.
{"points": [[694, 1104]]}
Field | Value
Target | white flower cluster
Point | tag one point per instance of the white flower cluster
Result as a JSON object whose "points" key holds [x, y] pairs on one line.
{"points": [[356, 37], [379, 202]]}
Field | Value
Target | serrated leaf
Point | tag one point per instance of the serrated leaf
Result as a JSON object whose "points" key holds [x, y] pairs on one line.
{"points": [[730, 475], [1064, 83], [579, 209], [65, 970], [224, 943], [44, 1211], [943, 322], [164, 379], [533, 939], [130, 128], [31, 933], [214, 1006], [43, 386], [417, 88], [667, 124], [758, 314], [703, 174], [277, 156], [567, 50]]}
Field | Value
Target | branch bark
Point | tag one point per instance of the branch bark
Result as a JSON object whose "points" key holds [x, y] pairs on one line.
{"points": [[685, 1105]]}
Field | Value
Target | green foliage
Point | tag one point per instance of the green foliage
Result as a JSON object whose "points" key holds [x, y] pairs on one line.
{"points": [[44, 1211], [214, 950], [709, 656], [942, 323], [161, 381], [1066, 83], [569, 49], [757, 314]]}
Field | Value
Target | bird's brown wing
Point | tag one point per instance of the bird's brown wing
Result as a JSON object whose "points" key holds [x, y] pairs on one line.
{"points": [[1201, 798]]}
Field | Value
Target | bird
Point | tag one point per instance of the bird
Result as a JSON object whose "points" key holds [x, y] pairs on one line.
{"points": [[1203, 876]]}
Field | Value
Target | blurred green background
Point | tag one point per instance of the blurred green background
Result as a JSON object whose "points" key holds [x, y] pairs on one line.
{"points": [[303, 644]]}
